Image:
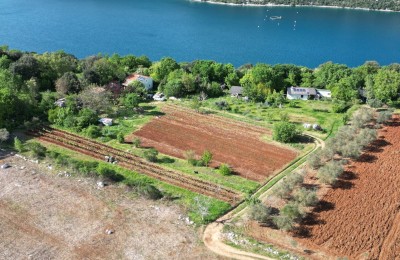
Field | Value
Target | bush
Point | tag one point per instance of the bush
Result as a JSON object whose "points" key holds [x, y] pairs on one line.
{"points": [[314, 160], [351, 150], [206, 158], [108, 173], [283, 190], [283, 222], [285, 132], [136, 142], [149, 191], [330, 172], [366, 136], [37, 149], [222, 105], [362, 116], [306, 197], [375, 103], [224, 169], [292, 211], [384, 117], [93, 131], [260, 213], [190, 157], [339, 106], [18, 145], [151, 155], [120, 138]]}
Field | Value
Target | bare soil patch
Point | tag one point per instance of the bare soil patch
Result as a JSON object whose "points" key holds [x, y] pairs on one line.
{"points": [[236, 143], [45, 216], [359, 218]]}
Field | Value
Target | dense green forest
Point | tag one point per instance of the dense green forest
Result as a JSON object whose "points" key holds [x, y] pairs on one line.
{"points": [[370, 4], [30, 83]]}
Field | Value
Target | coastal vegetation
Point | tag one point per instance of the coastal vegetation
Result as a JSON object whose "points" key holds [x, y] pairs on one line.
{"points": [[32, 84], [368, 4]]}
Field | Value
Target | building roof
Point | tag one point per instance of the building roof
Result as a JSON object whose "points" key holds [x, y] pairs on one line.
{"points": [[134, 77], [301, 91], [236, 90]]}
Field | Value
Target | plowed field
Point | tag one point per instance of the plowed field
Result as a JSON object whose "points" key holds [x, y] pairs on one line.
{"points": [[362, 217], [235, 143]]}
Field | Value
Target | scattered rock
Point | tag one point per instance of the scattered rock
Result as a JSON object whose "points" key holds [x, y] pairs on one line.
{"points": [[110, 231], [5, 166], [22, 168], [100, 184]]}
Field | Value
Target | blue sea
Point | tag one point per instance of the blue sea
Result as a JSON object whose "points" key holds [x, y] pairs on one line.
{"points": [[188, 31]]}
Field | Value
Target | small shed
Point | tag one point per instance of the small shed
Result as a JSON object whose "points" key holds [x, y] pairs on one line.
{"points": [[301, 93], [324, 93], [236, 91]]}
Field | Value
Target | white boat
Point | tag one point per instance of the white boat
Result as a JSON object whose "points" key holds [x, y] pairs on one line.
{"points": [[275, 17]]}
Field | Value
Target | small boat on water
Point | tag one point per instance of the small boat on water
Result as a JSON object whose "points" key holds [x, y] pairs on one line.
{"points": [[275, 17]]}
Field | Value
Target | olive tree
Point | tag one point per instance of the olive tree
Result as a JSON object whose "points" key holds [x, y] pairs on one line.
{"points": [[329, 173], [260, 213]]}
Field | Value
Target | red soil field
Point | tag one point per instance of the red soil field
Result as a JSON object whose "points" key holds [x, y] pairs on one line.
{"points": [[360, 217], [235, 143]]}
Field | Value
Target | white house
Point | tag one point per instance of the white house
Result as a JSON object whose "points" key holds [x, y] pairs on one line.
{"points": [[324, 93], [146, 81], [301, 93]]}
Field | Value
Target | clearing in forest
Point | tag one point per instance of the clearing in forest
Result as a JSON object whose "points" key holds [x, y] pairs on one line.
{"points": [[236, 143]]}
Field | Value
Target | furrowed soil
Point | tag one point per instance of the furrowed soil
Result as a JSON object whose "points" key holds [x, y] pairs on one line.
{"points": [[359, 218], [238, 144], [361, 215], [46, 216]]}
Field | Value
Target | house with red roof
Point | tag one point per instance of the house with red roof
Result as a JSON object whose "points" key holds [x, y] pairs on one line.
{"points": [[145, 80]]}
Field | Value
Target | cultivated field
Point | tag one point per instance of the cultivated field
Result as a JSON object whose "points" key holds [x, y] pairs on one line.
{"points": [[360, 217], [131, 162], [236, 143], [44, 216]]}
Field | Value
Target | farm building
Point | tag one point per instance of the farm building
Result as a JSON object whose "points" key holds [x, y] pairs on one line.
{"points": [[146, 81], [301, 93], [236, 91]]}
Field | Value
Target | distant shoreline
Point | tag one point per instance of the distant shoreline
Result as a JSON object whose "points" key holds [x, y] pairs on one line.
{"points": [[283, 5]]}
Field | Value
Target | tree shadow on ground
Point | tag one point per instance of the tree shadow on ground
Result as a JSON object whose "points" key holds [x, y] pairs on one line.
{"points": [[324, 205], [304, 139], [148, 110], [367, 158], [377, 145], [343, 185]]}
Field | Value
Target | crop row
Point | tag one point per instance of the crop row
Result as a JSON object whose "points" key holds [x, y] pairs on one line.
{"points": [[137, 164]]}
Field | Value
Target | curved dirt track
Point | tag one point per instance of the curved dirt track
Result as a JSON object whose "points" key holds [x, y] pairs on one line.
{"points": [[360, 217], [235, 143], [213, 235]]}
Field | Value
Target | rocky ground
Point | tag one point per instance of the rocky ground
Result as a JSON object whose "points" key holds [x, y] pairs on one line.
{"points": [[45, 214]]}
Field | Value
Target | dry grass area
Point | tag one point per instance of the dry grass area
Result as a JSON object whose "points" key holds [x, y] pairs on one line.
{"points": [[45, 216]]}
